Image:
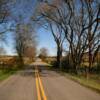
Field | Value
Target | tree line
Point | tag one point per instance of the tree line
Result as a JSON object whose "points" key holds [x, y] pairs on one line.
{"points": [[76, 22], [24, 36]]}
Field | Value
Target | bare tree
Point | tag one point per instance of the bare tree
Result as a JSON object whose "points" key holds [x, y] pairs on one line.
{"points": [[43, 53], [2, 51], [79, 24], [24, 40], [5, 15], [30, 48], [59, 39], [83, 30], [4, 11], [45, 11], [30, 52]]}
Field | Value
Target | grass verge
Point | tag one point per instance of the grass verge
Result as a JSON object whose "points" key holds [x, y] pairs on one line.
{"points": [[92, 82], [5, 73]]}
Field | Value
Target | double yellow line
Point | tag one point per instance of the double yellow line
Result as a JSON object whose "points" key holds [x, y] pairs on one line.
{"points": [[40, 90]]}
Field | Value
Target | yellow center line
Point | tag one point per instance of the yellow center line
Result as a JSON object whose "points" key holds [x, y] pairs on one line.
{"points": [[37, 86], [42, 89]]}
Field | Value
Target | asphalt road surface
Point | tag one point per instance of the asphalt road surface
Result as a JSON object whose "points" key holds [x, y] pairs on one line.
{"points": [[29, 84], [20, 86]]}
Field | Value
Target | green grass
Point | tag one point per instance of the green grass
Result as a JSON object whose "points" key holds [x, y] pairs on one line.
{"points": [[6, 73], [92, 82]]}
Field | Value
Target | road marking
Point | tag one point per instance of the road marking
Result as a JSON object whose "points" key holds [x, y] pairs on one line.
{"points": [[37, 86], [42, 89]]}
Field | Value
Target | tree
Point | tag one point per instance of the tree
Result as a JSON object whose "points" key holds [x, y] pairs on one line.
{"points": [[45, 9], [79, 24], [43, 53], [4, 10], [24, 41], [83, 26], [59, 39], [30, 52], [5, 14], [2, 51]]}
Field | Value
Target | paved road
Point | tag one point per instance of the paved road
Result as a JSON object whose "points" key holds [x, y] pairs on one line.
{"points": [[58, 87], [22, 86]]}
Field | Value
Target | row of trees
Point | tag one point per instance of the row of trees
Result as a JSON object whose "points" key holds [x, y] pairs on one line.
{"points": [[4, 14], [25, 42], [43, 54], [75, 21], [24, 36], [4, 11]]}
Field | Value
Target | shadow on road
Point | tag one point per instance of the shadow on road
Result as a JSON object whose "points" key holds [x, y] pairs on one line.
{"points": [[44, 71]]}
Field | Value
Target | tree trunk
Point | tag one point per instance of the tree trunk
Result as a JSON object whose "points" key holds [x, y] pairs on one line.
{"points": [[90, 53], [59, 55], [75, 69], [21, 62]]}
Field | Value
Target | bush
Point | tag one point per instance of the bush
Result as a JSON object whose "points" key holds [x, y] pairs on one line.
{"points": [[66, 65], [98, 68]]}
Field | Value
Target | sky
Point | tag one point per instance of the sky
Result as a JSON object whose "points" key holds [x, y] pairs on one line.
{"points": [[25, 9], [44, 40], [44, 37]]}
